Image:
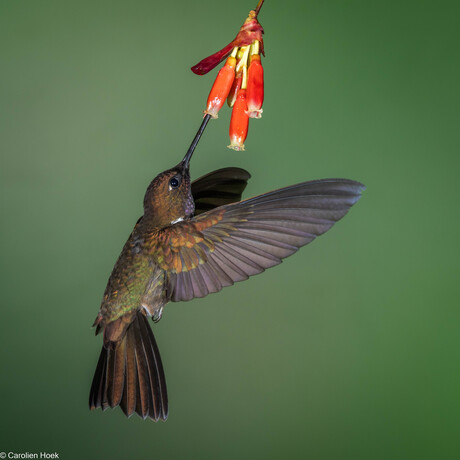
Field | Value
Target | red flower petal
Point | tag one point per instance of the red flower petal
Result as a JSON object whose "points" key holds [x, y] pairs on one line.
{"points": [[239, 122], [255, 91], [207, 64], [221, 87]]}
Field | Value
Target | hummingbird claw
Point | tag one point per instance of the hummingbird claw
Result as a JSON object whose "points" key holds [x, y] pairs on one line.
{"points": [[157, 315]]}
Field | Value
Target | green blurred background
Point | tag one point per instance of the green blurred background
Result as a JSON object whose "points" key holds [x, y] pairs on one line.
{"points": [[348, 350]]}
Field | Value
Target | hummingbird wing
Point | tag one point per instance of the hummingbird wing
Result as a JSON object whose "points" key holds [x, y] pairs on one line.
{"points": [[218, 188], [232, 242]]}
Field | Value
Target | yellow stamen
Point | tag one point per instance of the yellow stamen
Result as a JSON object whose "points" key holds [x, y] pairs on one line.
{"points": [[244, 60], [255, 47], [244, 82]]}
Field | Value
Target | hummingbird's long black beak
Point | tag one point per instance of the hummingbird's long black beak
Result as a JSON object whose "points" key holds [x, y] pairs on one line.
{"points": [[191, 149]]}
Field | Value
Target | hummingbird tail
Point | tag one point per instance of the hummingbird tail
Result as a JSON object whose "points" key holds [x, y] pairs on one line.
{"points": [[129, 374]]}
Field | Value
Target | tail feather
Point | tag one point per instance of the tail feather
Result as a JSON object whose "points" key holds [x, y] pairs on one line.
{"points": [[128, 400], [116, 383], [102, 393], [144, 406], [159, 401], [130, 374], [95, 396]]}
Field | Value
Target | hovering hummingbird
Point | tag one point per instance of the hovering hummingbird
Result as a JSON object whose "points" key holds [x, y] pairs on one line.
{"points": [[194, 239]]}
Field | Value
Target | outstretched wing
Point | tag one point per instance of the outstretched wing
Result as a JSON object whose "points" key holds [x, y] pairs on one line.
{"points": [[219, 188], [232, 242]]}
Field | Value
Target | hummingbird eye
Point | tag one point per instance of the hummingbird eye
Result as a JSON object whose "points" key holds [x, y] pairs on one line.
{"points": [[174, 182]]}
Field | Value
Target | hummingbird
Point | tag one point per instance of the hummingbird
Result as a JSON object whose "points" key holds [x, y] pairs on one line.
{"points": [[193, 239]]}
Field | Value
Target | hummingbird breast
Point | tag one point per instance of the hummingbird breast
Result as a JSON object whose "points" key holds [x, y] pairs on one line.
{"points": [[136, 280]]}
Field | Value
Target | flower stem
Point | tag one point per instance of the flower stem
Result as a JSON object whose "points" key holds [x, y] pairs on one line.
{"points": [[258, 7]]}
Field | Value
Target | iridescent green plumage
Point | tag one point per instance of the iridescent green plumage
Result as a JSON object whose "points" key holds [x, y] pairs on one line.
{"points": [[127, 285]]}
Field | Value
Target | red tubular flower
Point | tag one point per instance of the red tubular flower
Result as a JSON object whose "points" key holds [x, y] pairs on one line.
{"points": [[221, 87], [235, 82], [255, 90], [239, 122], [234, 90]]}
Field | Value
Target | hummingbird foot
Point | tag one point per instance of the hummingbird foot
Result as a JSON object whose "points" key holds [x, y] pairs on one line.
{"points": [[154, 312], [157, 315]]}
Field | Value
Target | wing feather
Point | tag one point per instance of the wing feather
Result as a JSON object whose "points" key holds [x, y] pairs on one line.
{"points": [[219, 188], [232, 242]]}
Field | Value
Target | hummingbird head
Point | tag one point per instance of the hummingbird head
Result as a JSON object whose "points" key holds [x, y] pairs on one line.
{"points": [[169, 197]]}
